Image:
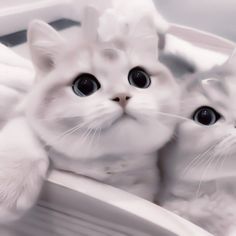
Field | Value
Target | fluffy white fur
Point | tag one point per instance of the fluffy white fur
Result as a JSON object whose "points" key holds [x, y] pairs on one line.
{"points": [[23, 169], [118, 153], [85, 134], [129, 12], [199, 166], [16, 78], [88, 135]]}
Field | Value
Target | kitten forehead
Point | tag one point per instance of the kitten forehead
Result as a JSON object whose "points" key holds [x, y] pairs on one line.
{"points": [[110, 61], [110, 54]]}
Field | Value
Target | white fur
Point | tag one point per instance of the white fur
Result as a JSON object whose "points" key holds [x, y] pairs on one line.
{"points": [[23, 168], [117, 152], [16, 78], [199, 166], [129, 12]]}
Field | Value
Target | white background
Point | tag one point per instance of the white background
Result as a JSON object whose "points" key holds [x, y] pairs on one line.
{"points": [[215, 16]]}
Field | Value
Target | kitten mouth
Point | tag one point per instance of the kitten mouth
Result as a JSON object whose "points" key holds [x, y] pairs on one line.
{"points": [[124, 116]]}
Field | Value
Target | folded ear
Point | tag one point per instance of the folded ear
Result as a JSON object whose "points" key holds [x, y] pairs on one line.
{"points": [[214, 86], [45, 45]]}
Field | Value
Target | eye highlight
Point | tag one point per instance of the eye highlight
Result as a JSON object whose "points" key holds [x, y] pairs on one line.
{"points": [[206, 116], [139, 78], [85, 85]]}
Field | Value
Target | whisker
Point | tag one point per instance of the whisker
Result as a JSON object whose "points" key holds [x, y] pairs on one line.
{"points": [[90, 143], [97, 111], [209, 162], [199, 156], [68, 132], [172, 115], [65, 134], [60, 118], [166, 114], [226, 155], [86, 135], [200, 160], [217, 167]]}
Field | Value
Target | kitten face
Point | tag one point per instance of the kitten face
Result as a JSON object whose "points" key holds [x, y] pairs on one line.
{"points": [[205, 148], [100, 98]]}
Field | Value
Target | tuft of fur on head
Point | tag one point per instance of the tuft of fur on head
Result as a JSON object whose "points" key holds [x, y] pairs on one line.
{"points": [[130, 12], [93, 126]]}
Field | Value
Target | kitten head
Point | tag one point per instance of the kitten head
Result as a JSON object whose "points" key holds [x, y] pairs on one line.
{"points": [[205, 146], [96, 97]]}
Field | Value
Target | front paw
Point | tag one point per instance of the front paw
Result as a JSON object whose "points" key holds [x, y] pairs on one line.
{"points": [[21, 180]]}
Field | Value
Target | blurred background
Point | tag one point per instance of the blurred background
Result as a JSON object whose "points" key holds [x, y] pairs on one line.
{"points": [[215, 16], [212, 16]]}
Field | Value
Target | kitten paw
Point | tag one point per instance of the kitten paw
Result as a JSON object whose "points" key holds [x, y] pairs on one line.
{"points": [[21, 180]]}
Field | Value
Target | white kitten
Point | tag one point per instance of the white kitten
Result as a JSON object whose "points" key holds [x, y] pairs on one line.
{"points": [[98, 105], [97, 109], [199, 166]]}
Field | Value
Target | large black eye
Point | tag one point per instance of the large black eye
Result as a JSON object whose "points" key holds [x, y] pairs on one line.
{"points": [[139, 78], [206, 116], [85, 85]]}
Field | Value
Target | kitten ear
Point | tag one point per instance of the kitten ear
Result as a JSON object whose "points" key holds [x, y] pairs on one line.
{"points": [[45, 45], [144, 39], [214, 86], [90, 22]]}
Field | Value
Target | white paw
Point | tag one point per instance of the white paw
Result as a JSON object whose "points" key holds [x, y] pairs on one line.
{"points": [[21, 181]]}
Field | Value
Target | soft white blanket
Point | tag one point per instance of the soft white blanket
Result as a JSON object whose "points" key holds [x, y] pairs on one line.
{"points": [[16, 77]]}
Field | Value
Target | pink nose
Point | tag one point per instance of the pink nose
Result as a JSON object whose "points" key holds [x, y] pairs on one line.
{"points": [[122, 99]]}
